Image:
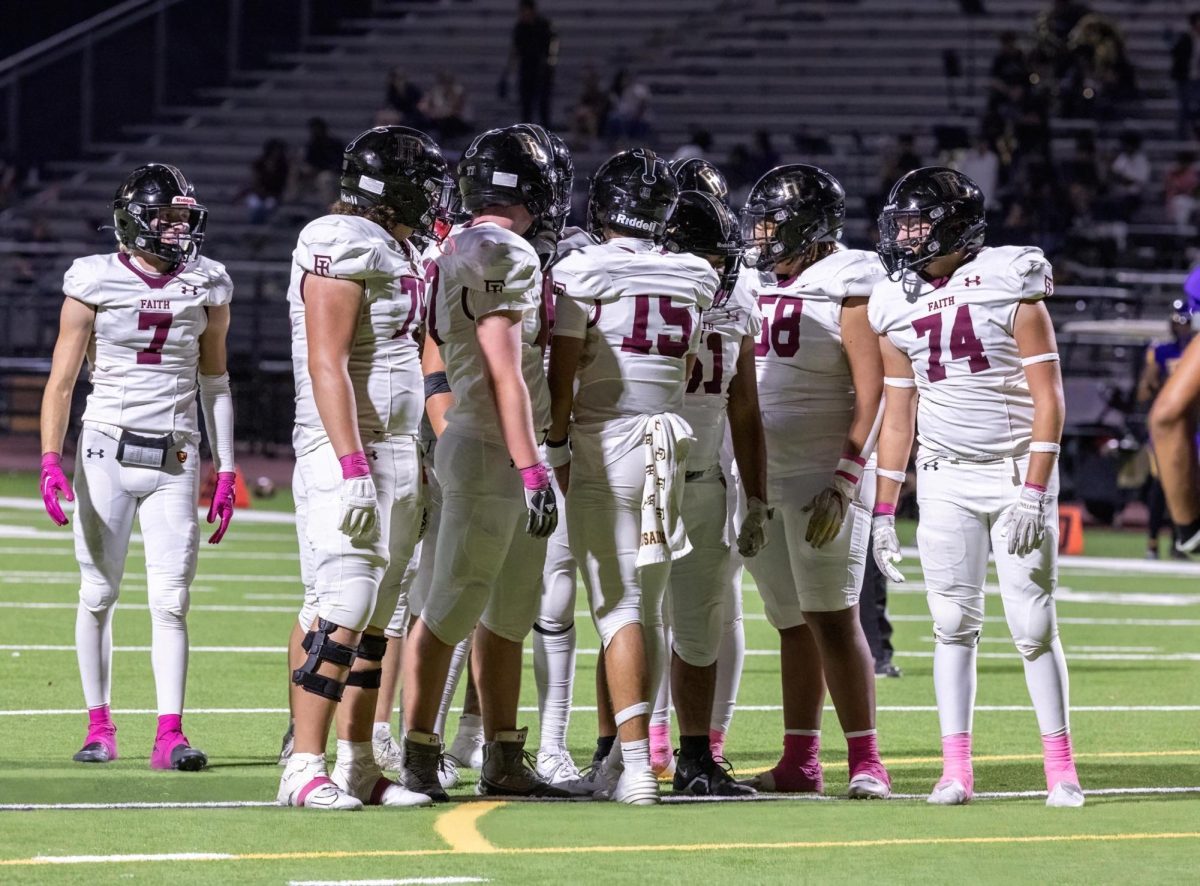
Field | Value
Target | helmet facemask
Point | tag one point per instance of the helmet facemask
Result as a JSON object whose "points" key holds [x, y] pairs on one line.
{"points": [[909, 239], [776, 235], [172, 232]]}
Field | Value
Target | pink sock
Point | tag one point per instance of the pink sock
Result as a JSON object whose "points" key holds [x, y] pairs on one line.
{"points": [[169, 723], [862, 750], [1059, 761], [99, 717], [660, 736], [800, 751], [716, 742], [956, 759]]}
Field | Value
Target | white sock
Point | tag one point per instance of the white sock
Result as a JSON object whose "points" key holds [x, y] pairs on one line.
{"points": [[93, 649], [381, 731], [1049, 689], [470, 724], [554, 673], [458, 662], [954, 686], [169, 658], [314, 764], [353, 755], [636, 754], [729, 675], [661, 715]]}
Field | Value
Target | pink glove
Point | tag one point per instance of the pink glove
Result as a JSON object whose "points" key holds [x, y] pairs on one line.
{"points": [[54, 481], [222, 504]]}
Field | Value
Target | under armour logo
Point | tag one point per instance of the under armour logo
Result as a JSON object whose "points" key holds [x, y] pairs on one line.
{"points": [[189, 289], [373, 455], [932, 464], [95, 453], [973, 281]]}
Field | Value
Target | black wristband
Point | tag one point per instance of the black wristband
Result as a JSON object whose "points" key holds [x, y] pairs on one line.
{"points": [[557, 444]]}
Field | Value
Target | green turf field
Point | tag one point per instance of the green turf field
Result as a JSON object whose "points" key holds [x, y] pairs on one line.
{"points": [[1130, 634]]}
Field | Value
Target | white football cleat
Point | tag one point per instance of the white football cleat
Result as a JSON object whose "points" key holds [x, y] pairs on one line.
{"points": [[305, 784], [558, 769], [366, 783], [949, 792], [1066, 794], [637, 787], [448, 774], [389, 756], [868, 787], [467, 749]]}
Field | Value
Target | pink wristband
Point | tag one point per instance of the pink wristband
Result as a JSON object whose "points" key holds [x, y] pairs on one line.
{"points": [[1035, 487], [536, 477], [883, 509], [354, 465], [51, 458]]}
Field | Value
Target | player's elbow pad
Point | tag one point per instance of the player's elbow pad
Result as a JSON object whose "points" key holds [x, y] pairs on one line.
{"points": [[216, 399]]}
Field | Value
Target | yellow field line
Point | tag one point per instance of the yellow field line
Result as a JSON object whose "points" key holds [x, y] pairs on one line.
{"points": [[457, 827], [652, 848]]}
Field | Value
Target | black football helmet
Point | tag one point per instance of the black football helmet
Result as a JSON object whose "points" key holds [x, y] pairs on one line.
{"points": [[697, 174], [565, 167], [944, 204], [633, 192], [149, 204], [399, 168], [508, 167], [790, 209], [704, 226]]}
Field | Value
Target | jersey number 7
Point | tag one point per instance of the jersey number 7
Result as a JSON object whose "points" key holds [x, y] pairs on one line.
{"points": [[963, 342]]}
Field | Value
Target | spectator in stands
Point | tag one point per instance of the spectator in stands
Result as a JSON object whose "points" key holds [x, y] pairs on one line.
{"points": [[534, 53], [322, 166], [1185, 72], [629, 119], [1180, 188], [1008, 77], [982, 166], [1081, 177], [763, 154], [699, 145], [1100, 74], [901, 158], [1162, 357], [1129, 175], [403, 98], [591, 112], [268, 180], [445, 107]]}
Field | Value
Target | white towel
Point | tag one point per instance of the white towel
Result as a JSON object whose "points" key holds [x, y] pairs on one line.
{"points": [[666, 439]]}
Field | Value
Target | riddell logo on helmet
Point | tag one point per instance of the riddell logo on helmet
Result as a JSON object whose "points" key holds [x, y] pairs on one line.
{"points": [[629, 221]]}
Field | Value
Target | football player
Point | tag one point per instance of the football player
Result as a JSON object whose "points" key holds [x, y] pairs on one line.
{"points": [[485, 314], [819, 381], [355, 304], [626, 334], [723, 383], [969, 353], [151, 319]]}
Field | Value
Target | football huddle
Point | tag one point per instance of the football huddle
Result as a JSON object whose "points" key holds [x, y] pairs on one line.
{"points": [[492, 405]]}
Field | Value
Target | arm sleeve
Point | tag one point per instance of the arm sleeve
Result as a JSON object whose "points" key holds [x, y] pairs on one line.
{"points": [[216, 400]]}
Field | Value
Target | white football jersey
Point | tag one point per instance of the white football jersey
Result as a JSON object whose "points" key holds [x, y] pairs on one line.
{"points": [[385, 363], [485, 269], [721, 333], [638, 310], [974, 401], [802, 369], [145, 349]]}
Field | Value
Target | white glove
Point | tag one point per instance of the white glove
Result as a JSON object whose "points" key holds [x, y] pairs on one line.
{"points": [[885, 546], [360, 517], [1026, 523], [828, 508], [752, 536]]}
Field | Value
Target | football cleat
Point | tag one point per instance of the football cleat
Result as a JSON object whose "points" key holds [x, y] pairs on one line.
{"points": [[1065, 794], [172, 751], [603, 776], [870, 782], [887, 669], [448, 774], [305, 784], [508, 771], [389, 756], [367, 784], [289, 741], [467, 749], [423, 764], [558, 769], [708, 777], [949, 792], [637, 787], [100, 745], [806, 780]]}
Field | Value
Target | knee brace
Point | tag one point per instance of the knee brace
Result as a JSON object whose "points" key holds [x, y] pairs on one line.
{"points": [[97, 597], [371, 679], [1034, 630], [372, 647], [321, 647], [953, 624], [551, 632]]}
